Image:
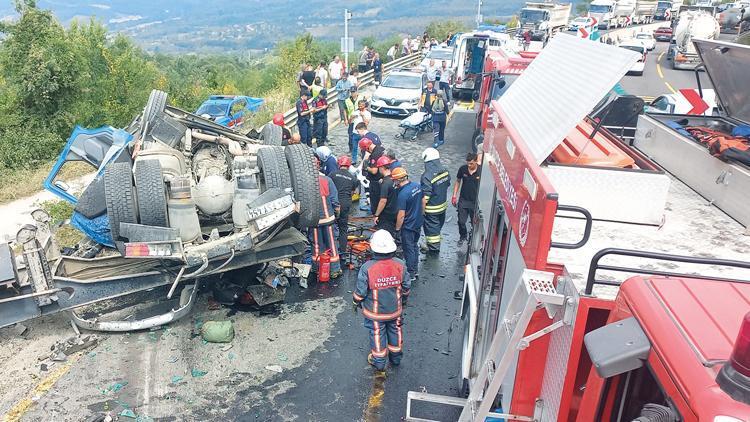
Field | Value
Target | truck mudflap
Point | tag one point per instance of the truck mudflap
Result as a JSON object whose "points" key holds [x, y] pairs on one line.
{"points": [[185, 304]]}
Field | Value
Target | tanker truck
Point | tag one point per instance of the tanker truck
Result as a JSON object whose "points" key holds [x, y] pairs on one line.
{"points": [[612, 13], [543, 20], [692, 24]]}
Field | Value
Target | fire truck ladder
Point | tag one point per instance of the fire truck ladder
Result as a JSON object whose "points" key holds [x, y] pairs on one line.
{"points": [[534, 291]]}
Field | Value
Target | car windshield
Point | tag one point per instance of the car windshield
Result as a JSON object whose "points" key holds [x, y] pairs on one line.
{"points": [[598, 8], [644, 36], [440, 54], [532, 15], [212, 110], [664, 5], [636, 48], [498, 91], [403, 81]]}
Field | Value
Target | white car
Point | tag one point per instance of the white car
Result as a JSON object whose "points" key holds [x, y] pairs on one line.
{"points": [[399, 93], [438, 54], [579, 22], [647, 39], [640, 65]]}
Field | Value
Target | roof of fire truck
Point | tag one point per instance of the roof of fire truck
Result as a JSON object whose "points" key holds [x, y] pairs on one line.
{"points": [[693, 325]]}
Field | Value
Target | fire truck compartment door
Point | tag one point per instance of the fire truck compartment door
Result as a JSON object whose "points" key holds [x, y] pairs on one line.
{"points": [[560, 87], [618, 347]]}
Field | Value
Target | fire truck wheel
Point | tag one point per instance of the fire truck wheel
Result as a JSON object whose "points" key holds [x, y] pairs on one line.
{"points": [[119, 196], [305, 184], [274, 172], [271, 134], [150, 193]]}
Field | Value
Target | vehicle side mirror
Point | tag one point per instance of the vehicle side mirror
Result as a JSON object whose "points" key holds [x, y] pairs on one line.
{"points": [[62, 185]]}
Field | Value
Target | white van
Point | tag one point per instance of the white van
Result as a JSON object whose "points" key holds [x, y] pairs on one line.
{"points": [[468, 60]]}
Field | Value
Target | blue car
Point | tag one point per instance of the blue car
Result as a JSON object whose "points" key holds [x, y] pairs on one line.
{"points": [[229, 110]]}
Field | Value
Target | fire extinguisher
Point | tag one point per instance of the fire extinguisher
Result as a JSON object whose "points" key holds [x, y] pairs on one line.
{"points": [[324, 267]]}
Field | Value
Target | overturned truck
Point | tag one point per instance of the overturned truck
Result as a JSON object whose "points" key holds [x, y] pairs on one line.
{"points": [[175, 198]]}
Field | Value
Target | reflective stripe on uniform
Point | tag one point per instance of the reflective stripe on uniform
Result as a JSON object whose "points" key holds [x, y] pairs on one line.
{"points": [[433, 239], [439, 176], [434, 209]]}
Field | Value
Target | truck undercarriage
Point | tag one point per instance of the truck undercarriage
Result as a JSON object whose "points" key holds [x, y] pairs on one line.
{"points": [[176, 199]]}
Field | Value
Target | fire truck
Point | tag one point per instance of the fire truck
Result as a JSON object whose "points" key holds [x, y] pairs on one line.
{"points": [[568, 317]]}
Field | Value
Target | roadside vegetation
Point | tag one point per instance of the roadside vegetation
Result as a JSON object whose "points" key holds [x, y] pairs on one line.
{"points": [[53, 78]]}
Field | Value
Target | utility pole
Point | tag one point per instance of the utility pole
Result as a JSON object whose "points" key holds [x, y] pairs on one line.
{"points": [[479, 12], [345, 44]]}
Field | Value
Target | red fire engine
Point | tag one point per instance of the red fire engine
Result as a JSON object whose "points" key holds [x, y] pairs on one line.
{"points": [[552, 333]]}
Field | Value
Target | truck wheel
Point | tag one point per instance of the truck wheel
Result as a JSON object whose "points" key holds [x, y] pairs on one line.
{"points": [[119, 196], [92, 204], [150, 193], [304, 176], [271, 134], [157, 100], [274, 172]]}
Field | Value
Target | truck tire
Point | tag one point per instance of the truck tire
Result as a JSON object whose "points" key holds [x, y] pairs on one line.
{"points": [[119, 196], [151, 194], [92, 202], [304, 176], [157, 100], [274, 171], [271, 134]]}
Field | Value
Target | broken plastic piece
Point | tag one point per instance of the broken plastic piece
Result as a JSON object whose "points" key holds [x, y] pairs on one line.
{"points": [[197, 373], [217, 331]]}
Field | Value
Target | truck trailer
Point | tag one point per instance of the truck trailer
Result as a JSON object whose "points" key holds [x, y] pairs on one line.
{"points": [[644, 12], [692, 24], [580, 320], [612, 13], [543, 20]]}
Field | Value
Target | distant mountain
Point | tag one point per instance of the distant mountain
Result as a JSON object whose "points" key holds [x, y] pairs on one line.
{"points": [[236, 26]]}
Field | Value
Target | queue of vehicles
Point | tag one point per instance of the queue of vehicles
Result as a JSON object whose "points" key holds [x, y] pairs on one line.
{"points": [[591, 319], [542, 20]]}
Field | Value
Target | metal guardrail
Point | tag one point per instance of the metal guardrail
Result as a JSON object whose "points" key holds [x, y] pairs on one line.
{"points": [[365, 79]]}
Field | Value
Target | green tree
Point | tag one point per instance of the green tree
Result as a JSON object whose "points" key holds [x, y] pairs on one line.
{"points": [[441, 29]]}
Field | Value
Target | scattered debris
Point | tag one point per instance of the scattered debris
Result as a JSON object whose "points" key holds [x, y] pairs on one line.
{"points": [[282, 357], [75, 328], [217, 331], [62, 349], [275, 368], [227, 347], [213, 305], [128, 414], [173, 359], [20, 330], [176, 379], [117, 386], [197, 373]]}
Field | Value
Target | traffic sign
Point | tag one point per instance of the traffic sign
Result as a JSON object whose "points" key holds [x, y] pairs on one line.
{"points": [[695, 100], [347, 45]]}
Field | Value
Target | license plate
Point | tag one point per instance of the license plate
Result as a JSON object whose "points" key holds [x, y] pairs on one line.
{"points": [[387, 111]]}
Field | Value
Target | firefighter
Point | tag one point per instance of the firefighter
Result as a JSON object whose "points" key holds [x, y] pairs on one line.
{"points": [[303, 117], [328, 164], [323, 237], [385, 211], [409, 218], [345, 183], [320, 118], [370, 168], [435, 183], [382, 290], [467, 182]]}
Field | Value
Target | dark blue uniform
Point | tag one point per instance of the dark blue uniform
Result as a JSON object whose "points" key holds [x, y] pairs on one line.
{"points": [[435, 183], [303, 122], [410, 202], [320, 121]]}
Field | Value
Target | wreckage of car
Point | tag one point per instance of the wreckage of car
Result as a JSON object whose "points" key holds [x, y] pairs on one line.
{"points": [[175, 198]]}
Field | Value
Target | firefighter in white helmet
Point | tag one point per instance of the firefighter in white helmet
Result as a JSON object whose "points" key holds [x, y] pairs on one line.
{"points": [[435, 183], [382, 288]]}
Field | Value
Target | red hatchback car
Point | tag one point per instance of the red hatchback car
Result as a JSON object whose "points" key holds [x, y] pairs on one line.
{"points": [[663, 34]]}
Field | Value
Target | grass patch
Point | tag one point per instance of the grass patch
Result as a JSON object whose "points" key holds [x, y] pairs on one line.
{"points": [[65, 235], [21, 183]]}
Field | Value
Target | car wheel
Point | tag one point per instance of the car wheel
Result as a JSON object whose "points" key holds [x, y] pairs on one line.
{"points": [[150, 193], [274, 171], [305, 183], [119, 196]]}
